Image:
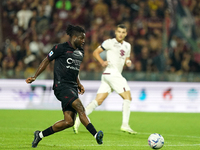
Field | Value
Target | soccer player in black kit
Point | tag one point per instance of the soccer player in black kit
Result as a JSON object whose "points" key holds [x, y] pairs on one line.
{"points": [[68, 57]]}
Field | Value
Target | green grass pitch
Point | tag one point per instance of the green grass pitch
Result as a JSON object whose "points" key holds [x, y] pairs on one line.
{"points": [[181, 131]]}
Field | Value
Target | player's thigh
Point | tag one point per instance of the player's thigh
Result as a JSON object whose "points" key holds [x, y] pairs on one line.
{"points": [[118, 83], [78, 106], [69, 116], [104, 88]]}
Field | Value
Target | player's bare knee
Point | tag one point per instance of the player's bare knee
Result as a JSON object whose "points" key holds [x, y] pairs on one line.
{"points": [[69, 124], [130, 99], [126, 95], [99, 101]]}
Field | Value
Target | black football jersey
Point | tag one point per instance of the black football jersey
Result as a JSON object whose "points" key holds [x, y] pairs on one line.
{"points": [[67, 64]]}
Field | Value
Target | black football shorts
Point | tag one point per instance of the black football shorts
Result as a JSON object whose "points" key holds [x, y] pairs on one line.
{"points": [[66, 95]]}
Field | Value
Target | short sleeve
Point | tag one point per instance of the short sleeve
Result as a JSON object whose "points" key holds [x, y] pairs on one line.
{"points": [[106, 44], [129, 50], [55, 52]]}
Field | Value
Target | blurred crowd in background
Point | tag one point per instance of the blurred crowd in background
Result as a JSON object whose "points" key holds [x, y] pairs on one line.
{"points": [[30, 28]]}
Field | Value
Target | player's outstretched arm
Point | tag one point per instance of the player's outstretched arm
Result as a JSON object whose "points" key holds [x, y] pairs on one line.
{"points": [[96, 55], [40, 69]]}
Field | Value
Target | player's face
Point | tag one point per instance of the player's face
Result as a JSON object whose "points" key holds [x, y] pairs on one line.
{"points": [[79, 40], [120, 34]]}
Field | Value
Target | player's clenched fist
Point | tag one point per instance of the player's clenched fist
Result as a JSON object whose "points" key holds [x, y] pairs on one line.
{"points": [[30, 79], [81, 89], [128, 63], [104, 63]]}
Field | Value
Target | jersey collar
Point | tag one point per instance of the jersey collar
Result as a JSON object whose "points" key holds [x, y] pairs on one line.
{"points": [[70, 44], [119, 42]]}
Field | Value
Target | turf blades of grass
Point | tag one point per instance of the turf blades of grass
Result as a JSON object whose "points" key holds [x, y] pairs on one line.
{"points": [[180, 131]]}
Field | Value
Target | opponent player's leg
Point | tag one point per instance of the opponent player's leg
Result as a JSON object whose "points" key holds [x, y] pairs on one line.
{"points": [[126, 112], [78, 106], [68, 121], [120, 86]]}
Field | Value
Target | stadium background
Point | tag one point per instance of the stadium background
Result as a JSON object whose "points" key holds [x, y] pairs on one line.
{"points": [[165, 39]]}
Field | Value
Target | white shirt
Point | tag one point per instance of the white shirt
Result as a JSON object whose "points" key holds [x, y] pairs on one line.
{"points": [[23, 18], [116, 54], [36, 47]]}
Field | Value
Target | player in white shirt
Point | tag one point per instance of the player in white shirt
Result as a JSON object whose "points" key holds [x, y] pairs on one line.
{"points": [[118, 54]]}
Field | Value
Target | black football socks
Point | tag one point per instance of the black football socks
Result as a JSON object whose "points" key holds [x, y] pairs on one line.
{"points": [[91, 129], [48, 131]]}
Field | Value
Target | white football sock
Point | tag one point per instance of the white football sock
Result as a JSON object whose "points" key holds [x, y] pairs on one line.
{"points": [[90, 107], [95, 135], [126, 111], [41, 135]]}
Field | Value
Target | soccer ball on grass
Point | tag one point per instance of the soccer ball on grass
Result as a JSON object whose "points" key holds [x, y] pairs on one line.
{"points": [[156, 141]]}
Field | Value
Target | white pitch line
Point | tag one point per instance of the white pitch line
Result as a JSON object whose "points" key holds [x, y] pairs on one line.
{"points": [[187, 136], [182, 145], [121, 145]]}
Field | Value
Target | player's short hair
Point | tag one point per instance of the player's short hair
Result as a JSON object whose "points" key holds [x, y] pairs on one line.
{"points": [[74, 30], [121, 26]]}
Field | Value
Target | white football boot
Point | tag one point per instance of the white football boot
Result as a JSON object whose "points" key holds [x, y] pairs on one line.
{"points": [[127, 128]]}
